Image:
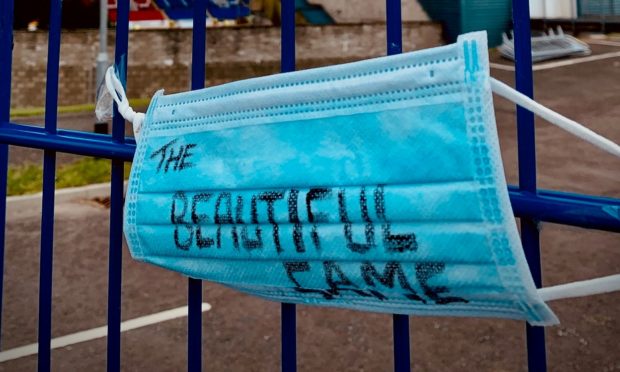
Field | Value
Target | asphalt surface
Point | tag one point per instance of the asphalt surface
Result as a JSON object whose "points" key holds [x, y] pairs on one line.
{"points": [[242, 333]]}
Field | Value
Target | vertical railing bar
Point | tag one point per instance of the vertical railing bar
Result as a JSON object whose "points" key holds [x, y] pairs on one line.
{"points": [[115, 259], [194, 286], [288, 311], [49, 185], [393, 24], [402, 349], [6, 59], [537, 360], [287, 58], [400, 323], [194, 325], [289, 336]]}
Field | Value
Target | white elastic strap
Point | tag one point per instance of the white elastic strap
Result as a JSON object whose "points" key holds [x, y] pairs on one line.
{"points": [[553, 117], [583, 288], [117, 91], [586, 287]]}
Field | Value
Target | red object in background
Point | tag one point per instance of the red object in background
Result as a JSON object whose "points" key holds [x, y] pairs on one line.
{"points": [[139, 10]]}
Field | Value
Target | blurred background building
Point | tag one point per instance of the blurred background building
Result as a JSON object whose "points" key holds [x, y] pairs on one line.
{"points": [[242, 43], [456, 16]]}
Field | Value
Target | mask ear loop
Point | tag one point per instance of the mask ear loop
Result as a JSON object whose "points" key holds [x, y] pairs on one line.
{"points": [[586, 287], [554, 118], [582, 288], [117, 91]]}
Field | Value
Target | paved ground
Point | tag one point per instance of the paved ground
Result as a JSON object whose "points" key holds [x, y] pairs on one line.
{"points": [[242, 333]]}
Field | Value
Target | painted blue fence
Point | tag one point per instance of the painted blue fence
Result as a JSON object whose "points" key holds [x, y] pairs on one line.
{"points": [[529, 203]]}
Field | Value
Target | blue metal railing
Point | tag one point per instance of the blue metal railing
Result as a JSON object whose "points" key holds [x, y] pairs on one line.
{"points": [[287, 64], [524, 80], [49, 187], [116, 200], [194, 286], [529, 203], [400, 323], [6, 60]]}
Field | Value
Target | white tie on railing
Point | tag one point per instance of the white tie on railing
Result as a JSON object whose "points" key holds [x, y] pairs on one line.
{"points": [[115, 88]]}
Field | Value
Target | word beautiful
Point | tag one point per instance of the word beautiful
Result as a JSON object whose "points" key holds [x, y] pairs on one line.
{"points": [[241, 221]]}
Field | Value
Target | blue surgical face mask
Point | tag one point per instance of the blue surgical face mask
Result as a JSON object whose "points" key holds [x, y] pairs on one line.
{"points": [[375, 185]]}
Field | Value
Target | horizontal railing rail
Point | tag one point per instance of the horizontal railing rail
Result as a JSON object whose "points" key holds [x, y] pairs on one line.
{"points": [[587, 211]]}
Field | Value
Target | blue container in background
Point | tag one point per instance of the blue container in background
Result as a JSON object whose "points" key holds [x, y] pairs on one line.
{"points": [[599, 8], [461, 16]]}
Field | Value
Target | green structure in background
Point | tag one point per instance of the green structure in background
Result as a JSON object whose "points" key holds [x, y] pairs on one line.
{"points": [[306, 12], [313, 14], [599, 9], [461, 16]]}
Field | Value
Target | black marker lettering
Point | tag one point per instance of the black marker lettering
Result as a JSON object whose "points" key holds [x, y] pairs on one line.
{"points": [[271, 197], [298, 238], [239, 210], [251, 244], [253, 210], [380, 203], [235, 237], [423, 272], [377, 294], [293, 217], [226, 217], [316, 194], [257, 243], [188, 241], [178, 218], [180, 165], [314, 235], [199, 198], [341, 282], [293, 267], [398, 242], [202, 241], [342, 206], [276, 237], [166, 153], [162, 151], [172, 158], [364, 206], [369, 232], [392, 268]]}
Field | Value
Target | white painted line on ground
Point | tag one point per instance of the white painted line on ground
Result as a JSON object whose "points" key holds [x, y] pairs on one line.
{"points": [[568, 62], [500, 66], [604, 42], [575, 61], [68, 194], [99, 332]]}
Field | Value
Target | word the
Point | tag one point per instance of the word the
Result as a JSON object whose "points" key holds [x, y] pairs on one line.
{"points": [[167, 156]]}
